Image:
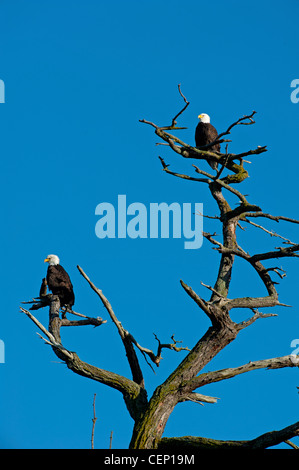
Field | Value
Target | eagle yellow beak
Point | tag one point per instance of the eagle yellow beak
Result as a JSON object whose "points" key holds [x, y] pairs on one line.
{"points": [[47, 259], [199, 116]]}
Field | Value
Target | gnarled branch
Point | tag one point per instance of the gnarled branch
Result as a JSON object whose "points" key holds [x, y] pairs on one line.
{"points": [[269, 439], [223, 374], [134, 395]]}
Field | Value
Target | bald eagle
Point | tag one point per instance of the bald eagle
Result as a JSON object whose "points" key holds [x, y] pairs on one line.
{"points": [[205, 134], [59, 282]]}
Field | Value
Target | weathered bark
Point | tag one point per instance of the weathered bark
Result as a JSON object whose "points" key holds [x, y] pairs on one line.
{"points": [[135, 396], [149, 429], [264, 441]]}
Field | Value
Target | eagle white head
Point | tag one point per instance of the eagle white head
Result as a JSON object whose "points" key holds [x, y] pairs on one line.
{"points": [[52, 260], [205, 118]]}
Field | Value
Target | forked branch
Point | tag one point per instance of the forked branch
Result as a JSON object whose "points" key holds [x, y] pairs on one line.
{"points": [[129, 340], [134, 395]]}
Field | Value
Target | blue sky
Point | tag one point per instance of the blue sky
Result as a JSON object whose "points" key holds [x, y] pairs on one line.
{"points": [[78, 77]]}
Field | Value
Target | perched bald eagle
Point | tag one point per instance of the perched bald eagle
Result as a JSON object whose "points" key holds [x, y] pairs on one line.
{"points": [[59, 282], [205, 134]]}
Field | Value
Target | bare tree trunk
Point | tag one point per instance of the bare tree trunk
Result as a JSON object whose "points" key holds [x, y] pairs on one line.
{"points": [[149, 429]]}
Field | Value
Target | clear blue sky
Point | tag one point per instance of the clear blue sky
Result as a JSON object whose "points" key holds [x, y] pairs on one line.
{"points": [[78, 77]]}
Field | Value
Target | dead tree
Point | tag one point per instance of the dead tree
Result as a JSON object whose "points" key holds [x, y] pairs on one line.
{"points": [[150, 415]]}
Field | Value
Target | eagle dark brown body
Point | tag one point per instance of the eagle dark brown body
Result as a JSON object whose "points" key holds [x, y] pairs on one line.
{"points": [[59, 282], [206, 133]]}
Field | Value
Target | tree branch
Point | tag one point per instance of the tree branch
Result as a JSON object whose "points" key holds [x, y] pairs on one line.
{"points": [[255, 317], [277, 218], [179, 175], [223, 374], [156, 358], [173, 123], [90, 321], [270, 232], [281, 253], [228, 131], [130, 351], [198, 300], [129, 340], [273, 438], [198, 398], [188, 151], [269, 439], [135, 396], [228, 187], [52, 341], [94, 420]]}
